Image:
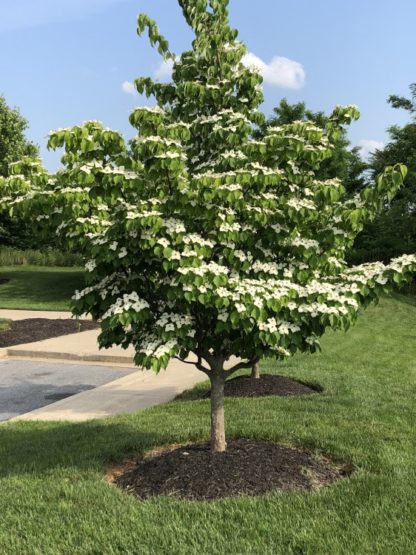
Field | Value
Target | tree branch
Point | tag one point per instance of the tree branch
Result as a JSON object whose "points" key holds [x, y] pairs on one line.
{"points": [[198, 364], [240, 366]]}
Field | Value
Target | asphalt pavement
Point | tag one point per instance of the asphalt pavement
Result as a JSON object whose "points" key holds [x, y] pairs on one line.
{"points": [[29, 385]]}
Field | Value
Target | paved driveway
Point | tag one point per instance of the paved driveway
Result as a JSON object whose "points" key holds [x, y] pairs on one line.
{"points": [[28, 385]]}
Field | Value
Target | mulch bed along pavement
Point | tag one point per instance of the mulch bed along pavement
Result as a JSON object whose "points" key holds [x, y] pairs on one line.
{"points": [[267, 384], [37, 329], [247, 467]]}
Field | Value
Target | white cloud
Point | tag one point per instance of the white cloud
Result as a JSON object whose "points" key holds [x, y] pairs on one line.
{"points": [[128, 87], [368, 146], [21, 14], [164, 71], [279, 72]]}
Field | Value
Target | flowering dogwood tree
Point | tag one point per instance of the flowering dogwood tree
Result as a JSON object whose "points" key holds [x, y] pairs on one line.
{"points": [[201, 241]]}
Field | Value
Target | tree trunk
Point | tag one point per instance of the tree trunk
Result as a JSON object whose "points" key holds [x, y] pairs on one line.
{"points": [[255, 371], [218, 443]]}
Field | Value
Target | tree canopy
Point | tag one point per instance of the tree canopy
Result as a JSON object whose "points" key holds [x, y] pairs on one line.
{"points": [[13, 143], [203, 241]]}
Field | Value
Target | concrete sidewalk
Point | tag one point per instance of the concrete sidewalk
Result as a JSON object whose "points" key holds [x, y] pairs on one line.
{"points": [[130, 393], [135, 391], [27, 385], [82, 346]]}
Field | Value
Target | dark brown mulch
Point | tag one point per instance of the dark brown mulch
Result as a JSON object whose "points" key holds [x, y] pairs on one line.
{"points": [[267, 384], [37, 329], [248, 467]]}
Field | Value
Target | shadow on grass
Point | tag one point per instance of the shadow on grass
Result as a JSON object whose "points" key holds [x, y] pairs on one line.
{"points": [[40, 286], [403, 298], [197, 393], [40, 447], [313, 384]]}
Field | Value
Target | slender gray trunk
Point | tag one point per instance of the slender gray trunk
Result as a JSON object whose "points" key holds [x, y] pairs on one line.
{"points": [[218, 443], [255, 371]]}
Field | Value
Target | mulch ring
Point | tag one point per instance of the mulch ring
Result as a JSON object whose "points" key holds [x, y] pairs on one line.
{"points": [[267, 384], [247, 467], [37, 329]]}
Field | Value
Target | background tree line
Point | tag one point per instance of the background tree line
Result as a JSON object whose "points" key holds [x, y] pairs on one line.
{"points": [[14, 145], [394, 232]]}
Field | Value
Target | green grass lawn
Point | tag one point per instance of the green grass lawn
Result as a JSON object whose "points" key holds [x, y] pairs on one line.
{"points": [[39, 288], [4, 324], [55, 501]]}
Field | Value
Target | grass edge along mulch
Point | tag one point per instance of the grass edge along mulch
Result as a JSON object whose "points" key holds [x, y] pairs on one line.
{"points": [[4, 324]]}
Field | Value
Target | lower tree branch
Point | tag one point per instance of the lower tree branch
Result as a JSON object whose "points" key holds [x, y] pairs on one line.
{"points": [[241, 365], [198, 364]]}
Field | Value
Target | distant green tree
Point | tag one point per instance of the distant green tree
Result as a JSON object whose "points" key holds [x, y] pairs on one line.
{"points": [[13, 143], [345, 163], [408, 104], [393, 232], [13, 146]]}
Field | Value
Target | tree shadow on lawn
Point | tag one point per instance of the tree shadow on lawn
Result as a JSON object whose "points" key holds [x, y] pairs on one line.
{"points": [[40, 447], [40, 450], [33, 448], [409, 299]]}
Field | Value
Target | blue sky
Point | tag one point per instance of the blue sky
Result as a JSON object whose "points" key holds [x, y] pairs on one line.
{"points": [[65, 61]]}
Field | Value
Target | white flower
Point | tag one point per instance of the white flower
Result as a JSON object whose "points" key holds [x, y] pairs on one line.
{"points": [[284, 328], [164, 242], [129, 301], [90, 265], [311, 340]]}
